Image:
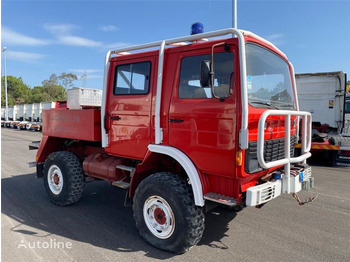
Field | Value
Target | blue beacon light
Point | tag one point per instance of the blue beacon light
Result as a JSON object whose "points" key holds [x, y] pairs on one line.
{"points": [[197, 28]]}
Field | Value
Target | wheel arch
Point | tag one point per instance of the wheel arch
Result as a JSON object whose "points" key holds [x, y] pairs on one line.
{"points": [[188, 167], [47, 146]]}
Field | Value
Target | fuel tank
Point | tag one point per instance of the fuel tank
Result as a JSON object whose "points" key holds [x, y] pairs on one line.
{"points": [[104, 166]]}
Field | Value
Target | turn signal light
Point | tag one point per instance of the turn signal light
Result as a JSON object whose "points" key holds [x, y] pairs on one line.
{"points": [[239, 158]]}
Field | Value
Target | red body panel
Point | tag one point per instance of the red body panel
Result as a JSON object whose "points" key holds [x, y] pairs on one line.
{"points": [[48, 145], [208, 131], [73, 124], [274, 127], [129, 116]]}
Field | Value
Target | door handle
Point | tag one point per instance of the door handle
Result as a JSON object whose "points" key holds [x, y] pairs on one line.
{"points": [[172, 120], [106, 125], [115, 117]]}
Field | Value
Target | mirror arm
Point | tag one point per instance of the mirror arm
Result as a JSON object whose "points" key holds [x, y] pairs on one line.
{"points": [[212, 69]]}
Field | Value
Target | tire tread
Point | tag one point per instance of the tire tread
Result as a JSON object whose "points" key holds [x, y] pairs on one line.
{"points": [[193, 214], [75, 176]]}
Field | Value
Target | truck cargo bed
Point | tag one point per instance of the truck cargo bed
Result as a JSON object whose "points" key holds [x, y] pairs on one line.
{"points": [[73, 124]]}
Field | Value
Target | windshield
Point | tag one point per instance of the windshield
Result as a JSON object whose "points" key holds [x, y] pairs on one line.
{"points": [[268, 79]]}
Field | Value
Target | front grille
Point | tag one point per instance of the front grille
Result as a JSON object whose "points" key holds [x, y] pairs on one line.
{"points": [[273, 150]]}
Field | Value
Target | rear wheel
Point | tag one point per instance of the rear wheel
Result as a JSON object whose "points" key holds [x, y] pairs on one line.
{"points": [[63, 178], [165, 213]]}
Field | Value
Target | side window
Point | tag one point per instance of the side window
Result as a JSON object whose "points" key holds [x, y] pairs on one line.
{"points": [[132, 79], [189, 84]]}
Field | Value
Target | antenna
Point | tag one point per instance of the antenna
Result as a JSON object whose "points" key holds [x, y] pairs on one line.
{"points": [[83, 79], [234, 14]]}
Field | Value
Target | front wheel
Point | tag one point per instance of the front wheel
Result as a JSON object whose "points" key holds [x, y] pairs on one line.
{"points": [[63, 178], [165, 213]]}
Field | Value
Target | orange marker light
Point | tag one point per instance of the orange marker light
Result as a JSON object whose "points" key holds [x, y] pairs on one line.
{"points": [[239, 158]]}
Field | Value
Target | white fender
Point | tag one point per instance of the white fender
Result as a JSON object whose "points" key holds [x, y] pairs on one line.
{"points": [[187, 165]]}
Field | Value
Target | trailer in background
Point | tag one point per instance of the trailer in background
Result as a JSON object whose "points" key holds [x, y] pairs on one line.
{"points": [[11, 116], [37, 112], [13, 111], [346, 128], [29, 112], [46, 106], [324, 96], [29, 115], [20, 112]]}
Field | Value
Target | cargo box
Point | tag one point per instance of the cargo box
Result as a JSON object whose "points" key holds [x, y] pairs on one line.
{"points": [[78, 98], [73, 124]]}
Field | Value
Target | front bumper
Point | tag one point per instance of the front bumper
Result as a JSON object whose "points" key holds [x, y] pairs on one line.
{"points": [[299, 179]]}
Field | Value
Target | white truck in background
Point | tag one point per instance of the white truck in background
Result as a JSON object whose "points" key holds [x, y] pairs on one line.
{"points": [[3, 114], [13, 111], [324, 96], [21, 110], [37, 112], [29, 112], [45, 106], [347, 114], [20, 116]]}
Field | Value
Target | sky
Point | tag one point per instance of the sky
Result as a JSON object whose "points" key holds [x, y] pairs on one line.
{"points": [[44, 37]]}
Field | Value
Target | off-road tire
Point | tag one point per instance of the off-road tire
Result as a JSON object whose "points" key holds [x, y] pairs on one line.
{"points": [[68, 171], [188, 226]]}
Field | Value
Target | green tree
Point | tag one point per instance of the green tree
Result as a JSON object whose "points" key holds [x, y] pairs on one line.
{"points": [[39, 94], [17, 91], [67, 79], [53, 80], [51, 90], [10, 100]]}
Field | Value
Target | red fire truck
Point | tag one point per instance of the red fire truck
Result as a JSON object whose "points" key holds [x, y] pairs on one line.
{"points": [[205, 118]]}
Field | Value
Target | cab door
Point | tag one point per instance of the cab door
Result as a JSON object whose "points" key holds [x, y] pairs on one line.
{"points": [[201, 125], [128, 109]]}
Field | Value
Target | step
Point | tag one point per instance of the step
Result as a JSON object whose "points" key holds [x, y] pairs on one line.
{"points": [[225, 200], [126, 168], [34, 145], [121, 184], [31, 164]]}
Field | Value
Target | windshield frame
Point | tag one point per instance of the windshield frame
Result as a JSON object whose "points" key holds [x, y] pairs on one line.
{"points": [[282, 87]]}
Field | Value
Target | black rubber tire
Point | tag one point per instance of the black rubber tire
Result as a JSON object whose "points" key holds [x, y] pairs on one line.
{"points": [[189, 218], [73, 177]]}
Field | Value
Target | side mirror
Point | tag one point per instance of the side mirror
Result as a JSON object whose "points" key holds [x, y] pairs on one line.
{"points": [[205, 73]]}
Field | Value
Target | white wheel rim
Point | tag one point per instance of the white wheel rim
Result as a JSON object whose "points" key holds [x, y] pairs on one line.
{"points": [[159, 217], [55, 179]]}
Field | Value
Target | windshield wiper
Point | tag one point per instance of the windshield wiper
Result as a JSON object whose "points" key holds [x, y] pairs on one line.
{"points": [[269, 105], [287, 106]]}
